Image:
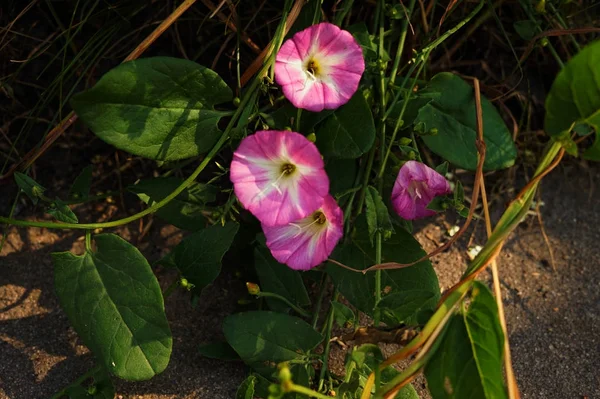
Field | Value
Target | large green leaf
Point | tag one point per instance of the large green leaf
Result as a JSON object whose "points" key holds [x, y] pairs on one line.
{"points": [[468, 362], [159, 108], [184, 211], [359, 288], [261, 336], [279, 279], [575, 97], [401, 306], [198, 256], [453, 114], [349, 132], [114, 302]]}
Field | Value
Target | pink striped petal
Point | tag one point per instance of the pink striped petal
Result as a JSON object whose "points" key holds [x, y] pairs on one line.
{"points": [[337, 66], [262, 186], [309, 241], [415, 187]]}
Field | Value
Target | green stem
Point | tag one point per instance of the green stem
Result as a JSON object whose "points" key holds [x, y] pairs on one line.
{"points": [[400, 49], [377, 314], [171, 288], [365, 185], [298, 310], [88, 240], [322, 290], [329, 326], [306, 391], [297, 121]]}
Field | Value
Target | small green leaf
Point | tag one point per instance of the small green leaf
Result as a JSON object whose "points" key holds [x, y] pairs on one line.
{"points": [[184, 211], [80, 189], [358, 288], [453, 114], [61, 212], [364, 40], [114, 302], [261, 336], [344, 316], [574, 97], [525, 29], [98, 386], [378, 217], [442, 168], [218, 350], [198, 256], [468, 362], [367, 358], [246, 388], [399, 307], [29, 186], [159, 108], [279, 279], [349, 132]]}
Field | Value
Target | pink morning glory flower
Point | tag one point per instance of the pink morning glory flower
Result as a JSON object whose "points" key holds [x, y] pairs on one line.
{"points": [[319, 67], [278, 176], [416, 185], [309, 241]]}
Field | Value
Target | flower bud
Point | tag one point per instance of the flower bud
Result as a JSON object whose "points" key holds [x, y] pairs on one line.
{"points": [[236, 102], [253, 289], [312, 137], [404, 141]]}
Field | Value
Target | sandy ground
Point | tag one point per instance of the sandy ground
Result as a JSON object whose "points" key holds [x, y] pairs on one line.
{"points": [[552, 315]]}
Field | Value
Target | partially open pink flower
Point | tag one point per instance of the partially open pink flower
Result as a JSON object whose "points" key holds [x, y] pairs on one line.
{"points": [[319, 67], [278, 176], [307, 242], [416, 185]]}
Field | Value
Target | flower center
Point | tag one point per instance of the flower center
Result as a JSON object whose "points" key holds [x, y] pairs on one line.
{"points": [[312, 68], [287, 169], [319, 217], [417, 189]]}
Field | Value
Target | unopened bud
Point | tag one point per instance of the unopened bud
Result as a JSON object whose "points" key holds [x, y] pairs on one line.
{"points": [[236, 102], [92, 390], [186, 284], [312, 138], [433, 131], [404, 141], [284, 373], [253, 289], [412, 155]]}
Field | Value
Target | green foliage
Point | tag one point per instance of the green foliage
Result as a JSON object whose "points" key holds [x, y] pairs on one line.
{"points": [[344, 316], [246, 388], [186, 210], [349, 132], [198, 257], [575, 99], [400, 307], [218, 350], [159, 108], [96, 385], [30, 187], [453, 114], [378, 218], [115, 304], [263, 338], [365, 359], [279, 279], [359, 288], [81, 186], [61, 212], [468, 362]]}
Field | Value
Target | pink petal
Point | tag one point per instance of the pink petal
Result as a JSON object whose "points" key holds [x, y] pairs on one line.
{"points": [[258, 182], [303, 245], [415, 187], [341, 66]]}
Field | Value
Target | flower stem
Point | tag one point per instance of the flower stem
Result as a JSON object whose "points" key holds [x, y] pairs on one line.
{"points": [[306, 391], [298, 310], [329, 326], [400, 49], [323, 288]]}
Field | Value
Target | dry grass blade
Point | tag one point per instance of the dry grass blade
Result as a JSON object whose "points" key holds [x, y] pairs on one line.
{"points": [[55, 133]]}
